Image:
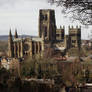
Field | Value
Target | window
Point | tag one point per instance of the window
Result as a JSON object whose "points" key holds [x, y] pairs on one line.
{"points": [[45, 17], [62, 35], [57, 35], [41, 17], [45, 29], [73, 41], [26, 47]]}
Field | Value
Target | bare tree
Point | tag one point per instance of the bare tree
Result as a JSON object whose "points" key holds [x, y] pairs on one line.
{"points": [[81, 9]]}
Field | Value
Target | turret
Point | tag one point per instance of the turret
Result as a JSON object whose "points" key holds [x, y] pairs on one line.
{"points": [[16, 35], [69, 27], [60, 27], [77, 27], [10, 44], [63, 27], [10, 34], [72, 26], [75, 35]]}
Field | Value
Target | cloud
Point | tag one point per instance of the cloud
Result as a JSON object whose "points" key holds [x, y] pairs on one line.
{"points": [[12, 2], [4, 2], [20, 14], [23, 15]]}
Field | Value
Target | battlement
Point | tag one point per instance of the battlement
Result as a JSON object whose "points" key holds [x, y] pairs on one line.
{"points": [[60, 32], [62, 27], [44, 10], [74, 28]]}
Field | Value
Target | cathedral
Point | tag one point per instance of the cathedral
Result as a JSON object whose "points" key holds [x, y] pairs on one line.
{"points": [[49, 37]]}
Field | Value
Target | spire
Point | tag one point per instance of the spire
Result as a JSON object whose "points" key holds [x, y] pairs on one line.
{"points": [[16, 35], [77, 26], [69, 27], [60, 27], [72, 26], [10, 44], [63, 27], [10, 34]]}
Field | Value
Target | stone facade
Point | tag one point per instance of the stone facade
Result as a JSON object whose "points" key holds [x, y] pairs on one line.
{"points": [[25, 47], [49, 37], [75, 36], [47, 25], [60, 33]]}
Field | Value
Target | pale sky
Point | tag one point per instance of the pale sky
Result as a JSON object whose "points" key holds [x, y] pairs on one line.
{"points": [[23, 15]]}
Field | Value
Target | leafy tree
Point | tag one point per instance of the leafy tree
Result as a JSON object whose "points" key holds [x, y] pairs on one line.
{"points": [[39, 71], [28, 67], [81, 9], [38, 67], [4, 75]]}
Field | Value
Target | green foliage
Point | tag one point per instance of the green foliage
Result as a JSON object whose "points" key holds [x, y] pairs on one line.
{"points": [[28, 68], [4, 75], [76, 52], [39, 67]]}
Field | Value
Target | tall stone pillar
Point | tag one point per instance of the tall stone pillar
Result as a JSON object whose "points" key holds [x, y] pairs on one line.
{"points": [[31, 49], [21, 48], [42, 43], [35, 47], [65, 41], [18, 51], [42, 48], [38, 47], [15, 50]]}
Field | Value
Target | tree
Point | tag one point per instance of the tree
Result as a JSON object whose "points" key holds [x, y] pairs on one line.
{"points": [[28, 67], [38, 67], [81, 9], [4, 75]]}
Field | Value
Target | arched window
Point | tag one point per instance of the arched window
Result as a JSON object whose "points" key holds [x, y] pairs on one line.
{"points": [[45, 17], [45, 31]]}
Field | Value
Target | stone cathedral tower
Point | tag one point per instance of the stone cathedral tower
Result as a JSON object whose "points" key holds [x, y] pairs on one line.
{"points": [[47, 25], [75, 35]]}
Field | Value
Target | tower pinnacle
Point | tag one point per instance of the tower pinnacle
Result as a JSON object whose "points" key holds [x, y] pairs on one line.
{"points": [[16, 35]]}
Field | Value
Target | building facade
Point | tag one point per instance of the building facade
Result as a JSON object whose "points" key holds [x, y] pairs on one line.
{"points": [[60, 33], [20, 47], [75, 36], [49, 37]]}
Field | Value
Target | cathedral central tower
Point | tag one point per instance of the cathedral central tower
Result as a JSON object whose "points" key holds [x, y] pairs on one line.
{"points": [[47, 25]]}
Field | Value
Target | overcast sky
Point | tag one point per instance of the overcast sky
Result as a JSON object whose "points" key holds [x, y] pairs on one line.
{"points": [[23, 15]]}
